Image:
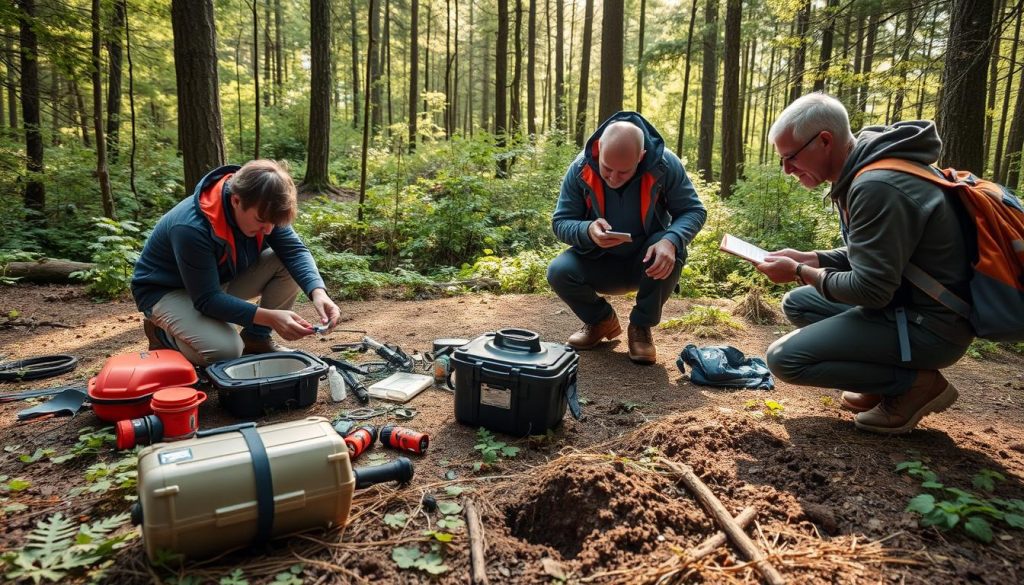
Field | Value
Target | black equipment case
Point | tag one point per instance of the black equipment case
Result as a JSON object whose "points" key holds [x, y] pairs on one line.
{"points": [[251, 385], [512, 382]]}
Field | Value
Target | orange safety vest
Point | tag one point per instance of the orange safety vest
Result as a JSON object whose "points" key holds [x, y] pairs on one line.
{"points": [[211, 203]]}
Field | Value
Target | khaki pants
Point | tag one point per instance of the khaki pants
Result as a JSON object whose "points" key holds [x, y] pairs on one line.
{"points": [[205, 340]]}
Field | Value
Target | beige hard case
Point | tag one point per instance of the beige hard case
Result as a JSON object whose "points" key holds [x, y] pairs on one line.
{"points": [[198, 496]]}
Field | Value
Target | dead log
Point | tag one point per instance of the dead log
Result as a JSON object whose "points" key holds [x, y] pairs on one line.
{"points": [[472, 283], [478, 564], [45, 270], [725, 521]]}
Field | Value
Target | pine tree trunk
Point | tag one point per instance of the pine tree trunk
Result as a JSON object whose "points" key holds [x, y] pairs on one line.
{"points": [[448, 97], [414, 64], [549, 106], [354, 37], [762, 155], [102, 172], [371, 50], [560, 120], [580, 126], [256, 77], [708, 90], [869, 57], [1014, 157], [374, 86], [901, 90], [640, 59], [55, 107], [825, 56], [485, 102], [1000, 169], [12, 83], [731, 97], [993, 82], [961, 116], [200, 134], [268, 54], [278, 68], [501, 85], [114, 67], [387, 60], [516, 113], [681, 138], [803, 18], [928, 60], [610, 96], [35, 192], [318, 146], [531, 70], [131, 109]]}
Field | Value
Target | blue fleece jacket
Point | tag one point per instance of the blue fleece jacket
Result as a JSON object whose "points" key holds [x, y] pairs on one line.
{"points": [[672, 207], [185, 252]]}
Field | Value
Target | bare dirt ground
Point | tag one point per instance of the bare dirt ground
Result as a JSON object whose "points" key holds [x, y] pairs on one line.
{"points": [[590, 503]]}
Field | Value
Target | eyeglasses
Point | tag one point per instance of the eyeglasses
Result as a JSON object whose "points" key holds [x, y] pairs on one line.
{"points": [[783, 160]]}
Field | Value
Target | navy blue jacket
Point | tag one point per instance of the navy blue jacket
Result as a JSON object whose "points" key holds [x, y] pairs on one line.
{"points": [[197, 246], [664, 199]]}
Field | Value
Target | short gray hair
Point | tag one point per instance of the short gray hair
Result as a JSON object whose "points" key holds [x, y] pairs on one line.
{"points": [[623, 132], [814, 112]]}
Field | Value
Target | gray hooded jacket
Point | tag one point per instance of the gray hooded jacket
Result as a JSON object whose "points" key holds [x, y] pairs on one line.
{"points": [[889, 219]]}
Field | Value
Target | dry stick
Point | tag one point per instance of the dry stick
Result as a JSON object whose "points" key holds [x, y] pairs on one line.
{"points": [[714, 507], [719, 538], [475, 528]]}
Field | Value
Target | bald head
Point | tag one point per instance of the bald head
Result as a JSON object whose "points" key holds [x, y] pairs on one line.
{"points": [[622, 149]]}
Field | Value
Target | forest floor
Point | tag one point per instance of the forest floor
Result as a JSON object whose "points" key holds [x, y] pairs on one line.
{"points": [[588, 503]]}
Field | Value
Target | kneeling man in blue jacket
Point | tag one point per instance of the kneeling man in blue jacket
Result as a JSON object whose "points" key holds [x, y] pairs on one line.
{"points": [[627, 210]]}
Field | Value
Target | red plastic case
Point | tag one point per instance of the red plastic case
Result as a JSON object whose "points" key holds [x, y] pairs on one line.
{"points": [[123, 388]]}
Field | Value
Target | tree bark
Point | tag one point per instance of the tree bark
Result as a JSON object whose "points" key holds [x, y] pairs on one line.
{"points": [[731, 130], [414, 64], [114, 56], [318, 149], [531, 70], [501, 85], [681, 139], [195, 64], [901, 90], [255, 77], [708, 90], [993, 82], [584, 90], [516, 113], [131, 109], [1000, 169], [640, 59], [961, 115], [560, 120], [35, 192], [83, 120], [268, 55], [54, 107], [102, 172], [387, 55], [869, 58], [1014, 157], [371, 48], [278, 77], [12, 83], [825, 56], [803, 17], [355, 63], [610, 96], [47, 270], [374, 86]]}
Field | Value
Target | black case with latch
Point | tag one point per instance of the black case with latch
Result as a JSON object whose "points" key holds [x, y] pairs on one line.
{"points": [[253, 385], [510, 381]]}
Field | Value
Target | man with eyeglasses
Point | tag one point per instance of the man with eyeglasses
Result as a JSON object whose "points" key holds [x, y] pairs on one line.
{"points": [[627, 210], [862, 327]]}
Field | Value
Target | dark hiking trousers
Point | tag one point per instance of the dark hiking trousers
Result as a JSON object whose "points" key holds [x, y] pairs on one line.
{"points": [[579, 280], [852, 348]]}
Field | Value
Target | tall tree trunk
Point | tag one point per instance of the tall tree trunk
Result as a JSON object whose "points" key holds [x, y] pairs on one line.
{"points": [[55, 99], [354, 37], [1014, 158], [853, 89], [83, 119], [993, 81], [35, 192], [387, 60], [455, 70], [256, 77], [746, 99], [470, 88], [560, 121], [374, 87], [610, 96], [200, 134], [1000, 169], [584, 89], [414, 65], [448, 97], [928, 60], [549, 107], [825, 56], [278, 77], [901, 90], [531, 70], [12, 83], [640, 58], [681, 138], [131, 109], [708, 90], [371, 50], [803, 17], [961, 116], [318, 147], [102, 172], [869, 58], [238, 90], [761, 158], [516, 112], [731, 130], [485, 102], [114, 79], [501, 85], [268, 54]]}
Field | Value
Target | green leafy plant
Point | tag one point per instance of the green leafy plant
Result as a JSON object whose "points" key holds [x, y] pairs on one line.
{"points": [[704, 321], [59, 548], [8, 256], [293, 576], [236, 577], [396, 520], [981, 349], [13, 485], [90, 442], [491, 449], [769, 408], [114, 254], [37, 455], [103, 477], [948, 507]]}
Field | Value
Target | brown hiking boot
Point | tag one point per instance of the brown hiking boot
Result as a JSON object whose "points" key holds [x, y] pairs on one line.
{"points": [[590, 335], [899, 414], [253, 344], [641, 344], [857, 402], [150, 330]]}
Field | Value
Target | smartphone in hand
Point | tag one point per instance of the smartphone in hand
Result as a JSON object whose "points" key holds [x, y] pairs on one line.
{"points": [[625, 236]]}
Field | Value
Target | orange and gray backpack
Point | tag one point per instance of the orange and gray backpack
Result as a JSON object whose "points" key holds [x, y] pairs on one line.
{"points": [[996, 249]]}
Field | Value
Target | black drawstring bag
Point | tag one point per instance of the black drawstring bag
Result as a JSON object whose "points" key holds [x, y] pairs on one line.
{"points": [[724, 366]]}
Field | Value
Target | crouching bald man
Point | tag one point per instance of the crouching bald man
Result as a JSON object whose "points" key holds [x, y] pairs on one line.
{"points": [[627, 210]]}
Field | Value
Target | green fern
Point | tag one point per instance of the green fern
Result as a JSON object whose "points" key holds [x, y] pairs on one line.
{"points": [[58, 546]]}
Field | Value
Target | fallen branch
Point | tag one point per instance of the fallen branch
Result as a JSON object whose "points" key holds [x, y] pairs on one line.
{"points": [[478, 564], [719, 538], [46, 270], [473, 283], [31, 324], [717, 510]]}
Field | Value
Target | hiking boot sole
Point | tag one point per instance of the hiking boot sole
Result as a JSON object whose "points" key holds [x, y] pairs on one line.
{"points": [[643, 360], [607, 337], [943, 401], [852, 407]]}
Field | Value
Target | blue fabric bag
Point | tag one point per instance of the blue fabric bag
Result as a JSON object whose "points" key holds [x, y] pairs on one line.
{"points": [[724, 366]]}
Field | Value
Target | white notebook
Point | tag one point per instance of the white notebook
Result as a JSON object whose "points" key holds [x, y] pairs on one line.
{"points": [[745, 250], [400, 386]]}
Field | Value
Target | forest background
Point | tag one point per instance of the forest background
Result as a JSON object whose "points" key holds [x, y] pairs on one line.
{"points": [[448, 168]]}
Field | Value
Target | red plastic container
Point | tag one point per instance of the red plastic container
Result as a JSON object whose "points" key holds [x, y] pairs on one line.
{"points": [[125, 385], [178, 409]]}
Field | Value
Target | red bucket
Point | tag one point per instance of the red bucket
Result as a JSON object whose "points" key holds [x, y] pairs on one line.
{"points": [[178, 409]]}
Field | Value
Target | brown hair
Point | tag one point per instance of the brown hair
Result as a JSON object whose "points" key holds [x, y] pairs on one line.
{"points": [[267, 185]]}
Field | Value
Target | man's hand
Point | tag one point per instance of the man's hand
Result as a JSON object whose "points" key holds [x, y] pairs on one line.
{"points": [[808, 258], [779, 269], [598, 232], [288, 324], [329, 312], [660, 259]]}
